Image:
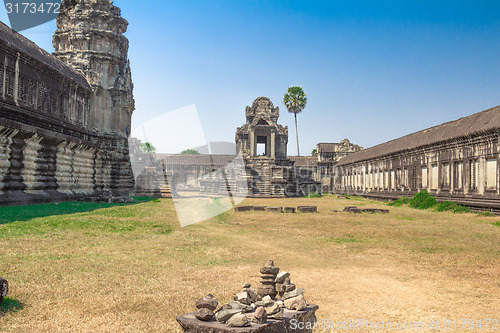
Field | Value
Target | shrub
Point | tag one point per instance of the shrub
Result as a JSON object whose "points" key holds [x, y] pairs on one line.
{"points": [[314, 195], [446, 206], [423, 200], [486, 213], [451, 206], [399, 202]]}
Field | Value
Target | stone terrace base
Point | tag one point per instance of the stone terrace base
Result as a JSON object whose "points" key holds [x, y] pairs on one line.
{"points": [[289, 324]]}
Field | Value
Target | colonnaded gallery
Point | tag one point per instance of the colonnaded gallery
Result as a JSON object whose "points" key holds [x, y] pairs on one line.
{"points": [[65, 122]]}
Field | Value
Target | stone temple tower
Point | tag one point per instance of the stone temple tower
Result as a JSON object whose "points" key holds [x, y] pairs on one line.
{"points": [[89, 38]]}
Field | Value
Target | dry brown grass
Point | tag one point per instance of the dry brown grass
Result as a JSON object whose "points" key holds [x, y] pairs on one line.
{"points": [[132, 274]]}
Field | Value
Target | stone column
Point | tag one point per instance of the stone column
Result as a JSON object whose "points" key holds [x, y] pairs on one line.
{"points": [[273, 143], [252, 143], [481, 182]]}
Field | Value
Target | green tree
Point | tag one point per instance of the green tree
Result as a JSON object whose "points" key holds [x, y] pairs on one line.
{"points": [[147, 147], [314, 152], [190, 152], [295, 101]]}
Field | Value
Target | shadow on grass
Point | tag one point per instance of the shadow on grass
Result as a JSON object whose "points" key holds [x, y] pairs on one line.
{"points": [[10, 305], [24, 213]]}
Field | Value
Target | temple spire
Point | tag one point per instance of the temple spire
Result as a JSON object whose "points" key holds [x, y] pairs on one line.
{"points": [[90, 38]]}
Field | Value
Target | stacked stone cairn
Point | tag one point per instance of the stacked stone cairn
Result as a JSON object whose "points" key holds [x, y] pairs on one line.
{"points": [[275, 293], [268, 280]]}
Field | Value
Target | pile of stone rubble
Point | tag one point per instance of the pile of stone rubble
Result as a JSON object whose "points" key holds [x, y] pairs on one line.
{"points": [[268, 301]]}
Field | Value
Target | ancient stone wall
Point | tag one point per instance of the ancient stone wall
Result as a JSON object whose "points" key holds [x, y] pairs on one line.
{"points": [[52, 145], [465, 167]]}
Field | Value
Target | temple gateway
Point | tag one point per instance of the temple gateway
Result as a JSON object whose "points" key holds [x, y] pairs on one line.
{"points": [[263, 144]]}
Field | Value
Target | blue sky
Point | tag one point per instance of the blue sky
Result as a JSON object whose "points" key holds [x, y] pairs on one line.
{"points": [[372, 70]]}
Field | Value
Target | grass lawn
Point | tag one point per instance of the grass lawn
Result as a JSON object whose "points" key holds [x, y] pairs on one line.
{"points": [[80, 267]]}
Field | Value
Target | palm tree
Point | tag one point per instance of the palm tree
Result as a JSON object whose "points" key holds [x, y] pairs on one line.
{"points": [[295, 101]]}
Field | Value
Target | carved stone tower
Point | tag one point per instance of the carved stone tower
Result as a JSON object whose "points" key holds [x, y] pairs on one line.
{"points": [[90, 39], [261, 136]]}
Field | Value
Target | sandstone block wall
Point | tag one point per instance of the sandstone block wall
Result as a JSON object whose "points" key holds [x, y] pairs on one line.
{"points": [[47, 150]]}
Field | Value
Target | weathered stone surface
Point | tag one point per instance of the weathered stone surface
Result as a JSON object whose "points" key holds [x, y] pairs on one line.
{"points": [[258, 303], [274, 209], [207, 302], [267, 300], [269, 269], [243, 208], [204, 314], [296, 303], [278, 315], [223, 315], [352, 209], [260, 315], [259, 208], [4, 289], [243, 297], [293, 293], [246, 285], [280, 278], [307, 209], [238, 306], [190, 324], [416, 161], [252, 293], [268, 277], [238, 320], [290, 209], [375, 210], [64, 128], [272, 309]]}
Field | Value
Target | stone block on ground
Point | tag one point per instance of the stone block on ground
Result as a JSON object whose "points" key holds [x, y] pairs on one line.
{"points": [[351, 209], [243, 208], [289, 209], [375, 210], [307, 209], [274, 209], [259, 208]]}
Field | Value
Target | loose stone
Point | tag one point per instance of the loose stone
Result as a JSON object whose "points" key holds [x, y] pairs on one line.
{"points": [[280, 278], [223, 315], [207, 302], [296, 303], [238, 320], [260, 315], [243, 297], [204, 314], [293, 293]]}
